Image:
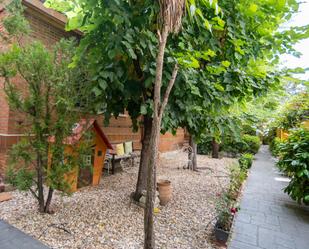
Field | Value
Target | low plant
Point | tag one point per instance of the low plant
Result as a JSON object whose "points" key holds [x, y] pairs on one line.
{"points": [[237, 177], [227, 205], [225, 216], [294, 161], [252, 144], [245, 161]]}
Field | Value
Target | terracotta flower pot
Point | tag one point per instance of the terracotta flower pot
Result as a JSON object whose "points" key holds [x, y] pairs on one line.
{"points": [[165, 191]]}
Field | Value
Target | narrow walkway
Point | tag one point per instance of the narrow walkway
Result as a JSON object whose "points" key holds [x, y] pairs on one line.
{"points": [[268, 218], [12, 238]]}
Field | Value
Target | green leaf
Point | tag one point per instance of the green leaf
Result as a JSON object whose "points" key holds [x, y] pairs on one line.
{"points": [[219, 87], [226, 63], [143, 110]]}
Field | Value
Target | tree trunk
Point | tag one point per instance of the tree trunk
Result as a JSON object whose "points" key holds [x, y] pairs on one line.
{"points": [[149, 241], [142, 171], [215, 149], [40, 183], [193, 154], [158, 110], [48, 201], [151, 185]]}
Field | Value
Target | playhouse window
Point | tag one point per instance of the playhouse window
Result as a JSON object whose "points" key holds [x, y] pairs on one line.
{"points": [[87, 160]]}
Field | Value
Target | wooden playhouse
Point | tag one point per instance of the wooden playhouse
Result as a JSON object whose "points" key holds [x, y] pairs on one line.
{"points": [[90, 175]]}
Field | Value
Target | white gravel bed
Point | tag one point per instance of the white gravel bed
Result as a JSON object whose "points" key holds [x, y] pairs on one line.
{"points": [[103, 216]]}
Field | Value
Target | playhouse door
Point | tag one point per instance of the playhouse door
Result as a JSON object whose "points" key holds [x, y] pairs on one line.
{"points": [[85, 173]]}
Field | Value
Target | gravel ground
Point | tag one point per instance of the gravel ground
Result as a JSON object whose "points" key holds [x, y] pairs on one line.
{"points": [[103, 216]]}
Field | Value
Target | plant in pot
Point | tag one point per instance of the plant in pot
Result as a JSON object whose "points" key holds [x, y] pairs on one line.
{"points": [[224, 219]]}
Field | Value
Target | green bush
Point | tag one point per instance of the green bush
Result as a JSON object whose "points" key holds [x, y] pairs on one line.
{"points": [[245, 161], [252, 144], [245, 144], [231, 145], [294, 161], [274, 146]]}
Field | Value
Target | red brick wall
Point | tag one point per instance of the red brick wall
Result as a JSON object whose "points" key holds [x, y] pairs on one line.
{"points": [[170, 142], [43, 31]]}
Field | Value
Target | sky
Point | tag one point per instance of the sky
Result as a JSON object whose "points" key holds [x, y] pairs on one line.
{"points": [[300, 19]]}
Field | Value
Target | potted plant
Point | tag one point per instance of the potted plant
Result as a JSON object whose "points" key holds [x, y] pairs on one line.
{"points": [[224, 219]]}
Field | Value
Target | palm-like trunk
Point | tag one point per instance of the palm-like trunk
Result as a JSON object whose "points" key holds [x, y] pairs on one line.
{"points": [[159, 108]]}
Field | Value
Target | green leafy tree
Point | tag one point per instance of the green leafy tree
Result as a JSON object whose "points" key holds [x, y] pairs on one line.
{"points": [[42, 91], [295, 111], [124, 78]]}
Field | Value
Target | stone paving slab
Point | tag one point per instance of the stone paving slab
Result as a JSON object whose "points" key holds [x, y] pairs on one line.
{"points": [[12, 238], [269, 218]]}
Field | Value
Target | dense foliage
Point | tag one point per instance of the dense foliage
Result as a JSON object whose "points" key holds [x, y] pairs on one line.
{"points": [[294, 161], [245, 161], [274, 146], [232, 144], [251, 144], [294, 112]]}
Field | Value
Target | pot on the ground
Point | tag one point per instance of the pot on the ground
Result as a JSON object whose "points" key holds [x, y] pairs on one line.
{"points": [[165, 191], [220, 234]]}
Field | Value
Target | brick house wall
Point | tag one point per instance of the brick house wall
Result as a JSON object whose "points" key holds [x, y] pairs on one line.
{"points": [[47, 26]]}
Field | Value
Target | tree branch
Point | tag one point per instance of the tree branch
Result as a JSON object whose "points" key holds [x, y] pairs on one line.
{"points": [[168, 89], [33, 193]]}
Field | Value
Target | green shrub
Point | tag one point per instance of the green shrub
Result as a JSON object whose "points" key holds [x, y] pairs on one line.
{"points": [[231, 145], [245, 161], [21, 179], [237, 177], [252, 144], [244, 144], [294, 161], [274, 146]]}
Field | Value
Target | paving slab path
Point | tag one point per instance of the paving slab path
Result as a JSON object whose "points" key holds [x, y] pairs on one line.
{"points": [[12, 238], [268, 218]]}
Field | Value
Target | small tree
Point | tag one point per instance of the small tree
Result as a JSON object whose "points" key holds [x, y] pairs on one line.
{"points": [[43, 92], [45, 97]]}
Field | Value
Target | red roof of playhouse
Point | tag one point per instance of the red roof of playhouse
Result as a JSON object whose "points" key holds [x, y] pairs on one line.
{"points": [[80, 128]]}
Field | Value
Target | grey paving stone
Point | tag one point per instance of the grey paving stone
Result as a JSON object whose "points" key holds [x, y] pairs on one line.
{"points": [[245, 228], [240, 245], [269, 239], [276, 221], [12, 238], [251, 239], [244, 217]]}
